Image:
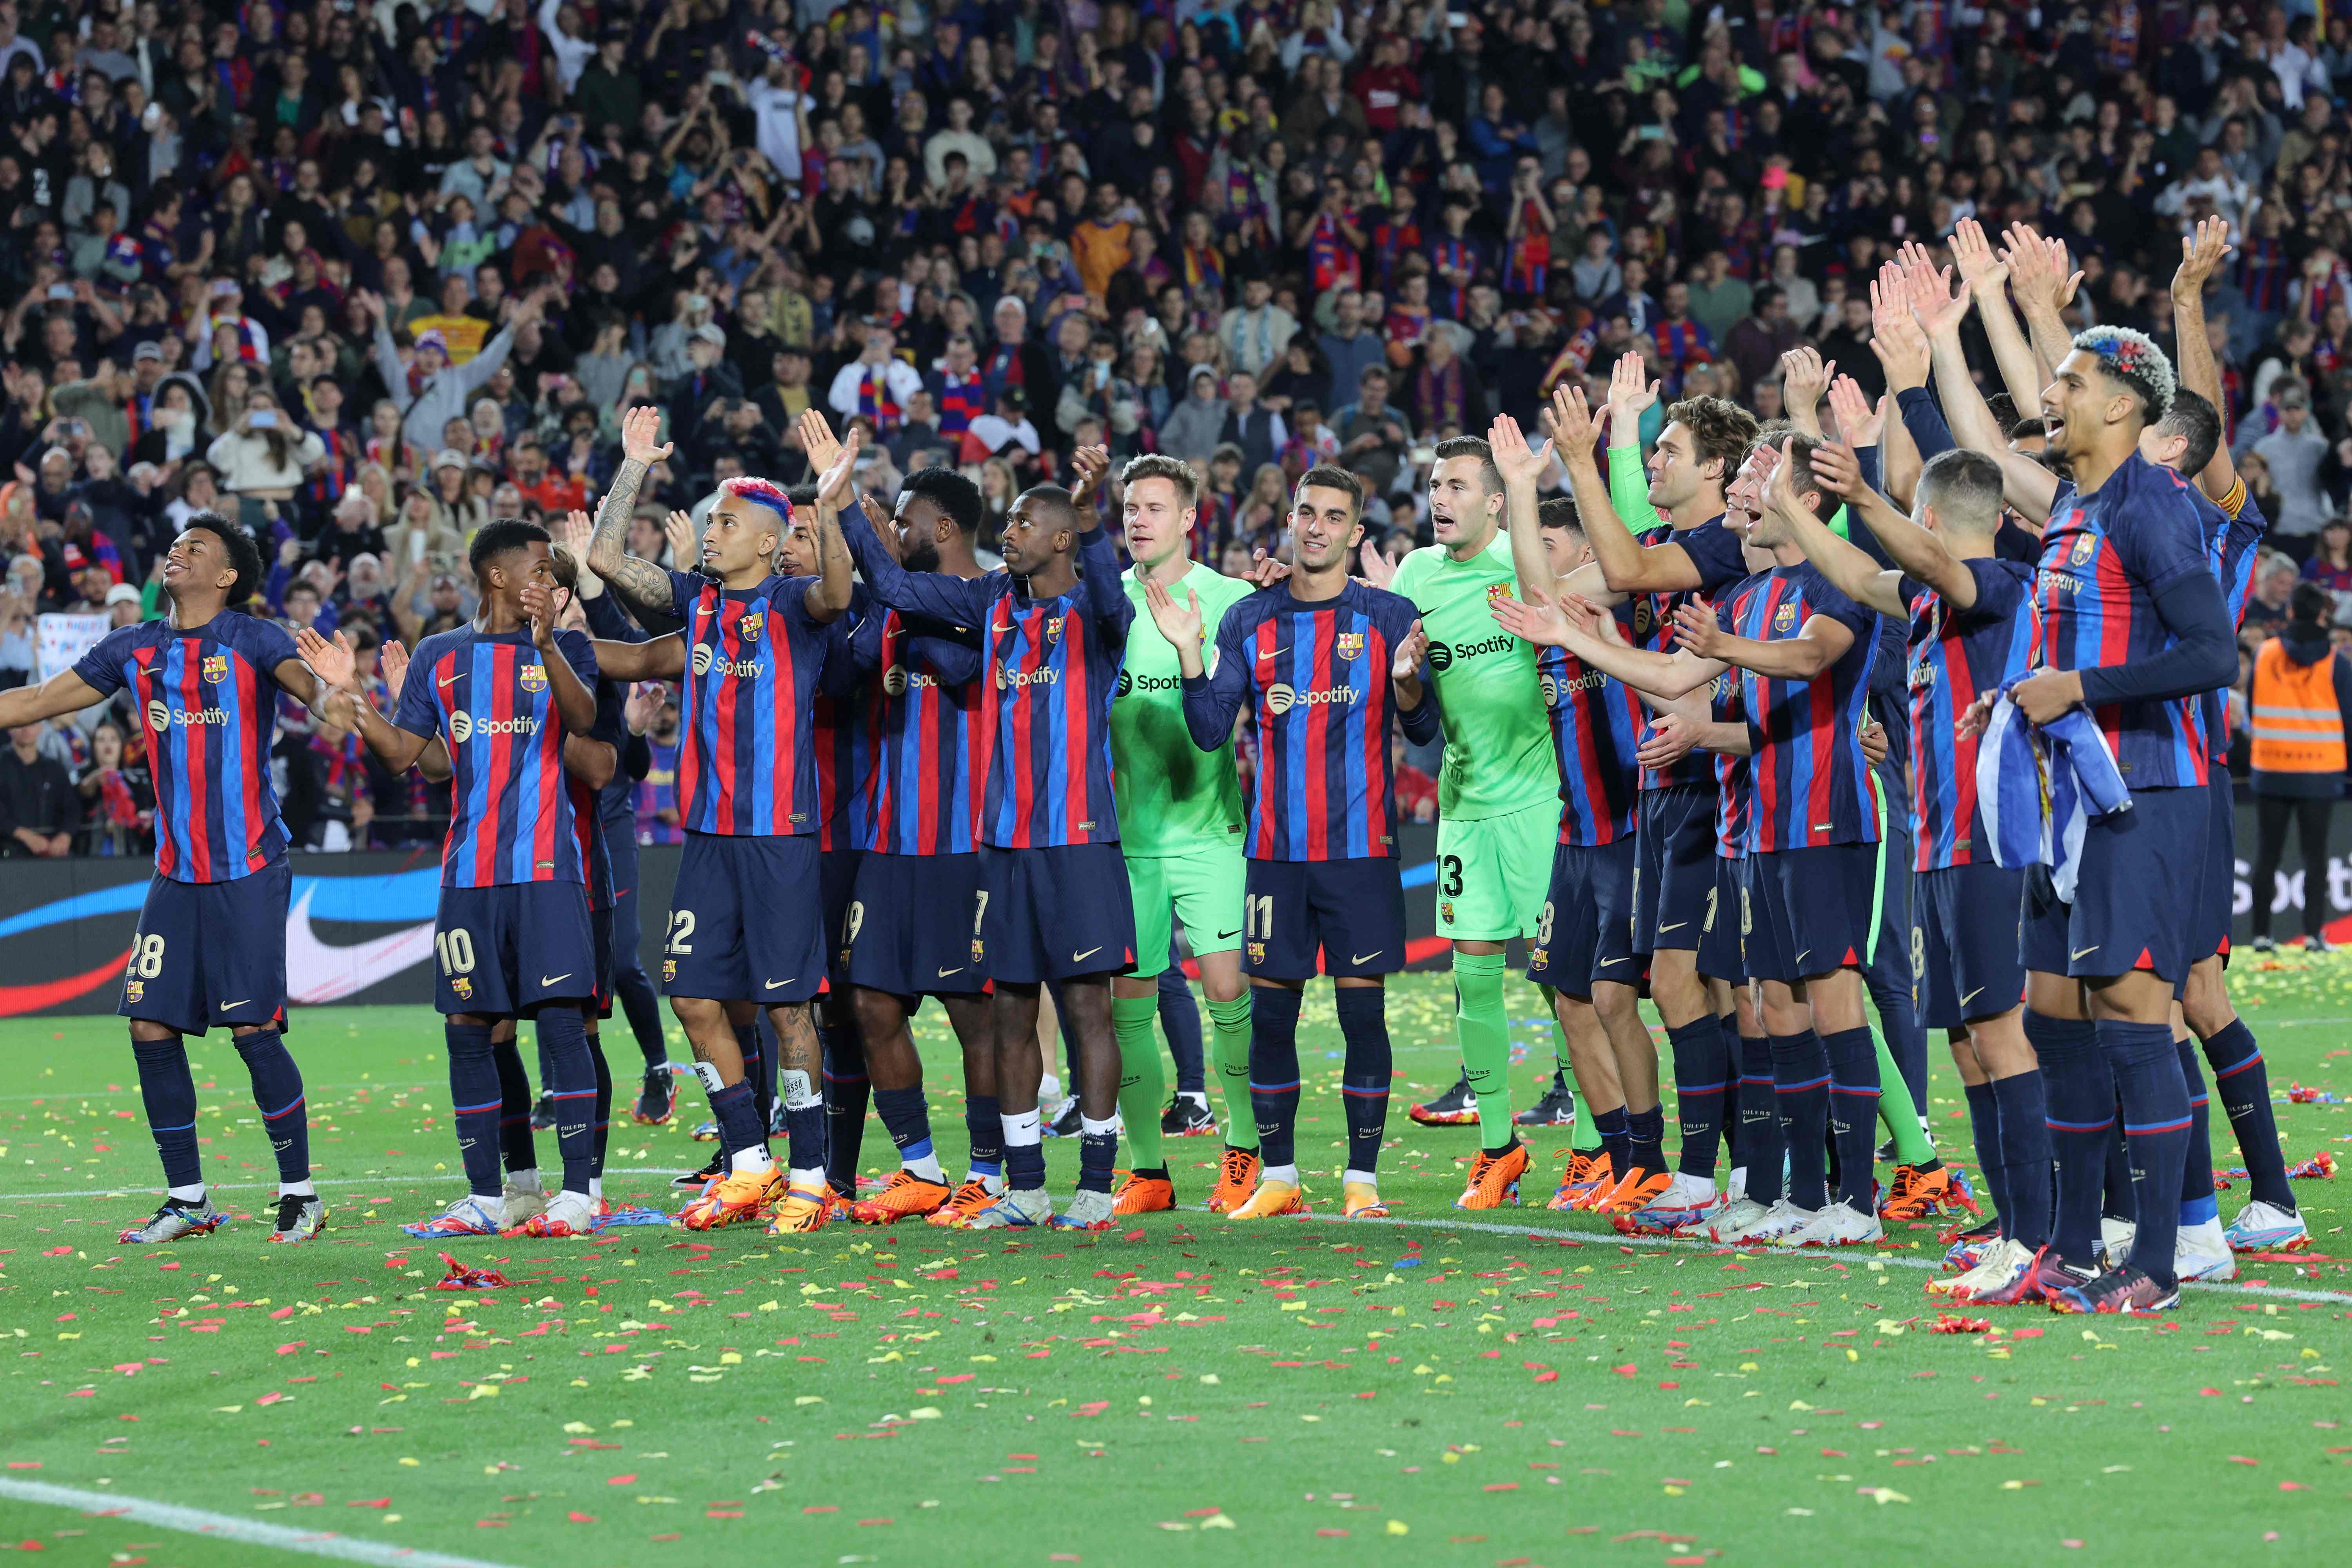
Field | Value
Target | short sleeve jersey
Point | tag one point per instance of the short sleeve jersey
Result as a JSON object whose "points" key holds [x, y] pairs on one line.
{"points": [[1498, 756]]}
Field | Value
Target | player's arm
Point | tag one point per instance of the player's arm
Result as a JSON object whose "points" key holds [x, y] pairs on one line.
{"points": [[592, 761], [64, 692], [1522, 468], [2201, 253], [2161, 546], [1849, 567], [825, 602], [1570, 624], [575, 695], [1107, 606], [1987, 284], [1687, 725], [641, 583], [2028, 485], [2043, 286], [396, 745], [1417, 695], [1212, 702], [1820, 643], [657, 659], [959, 601]]}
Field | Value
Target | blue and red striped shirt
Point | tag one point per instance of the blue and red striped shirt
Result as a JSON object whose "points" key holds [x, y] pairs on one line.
{"points": [[747, 759], [1955, 655], [2236, 542], [842, 725], [1812, 783], [2103, 558], [1052, 668], [1596, 723], [209, 697], [1316, 673], [1733, 795], [587, 804], [932, 740], [1717, 552], [492, 700]]}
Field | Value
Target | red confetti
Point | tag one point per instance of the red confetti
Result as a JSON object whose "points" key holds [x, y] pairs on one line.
{"points": [[628, 1480], [461, 1277], [578, 1517], [1947, 1323]]}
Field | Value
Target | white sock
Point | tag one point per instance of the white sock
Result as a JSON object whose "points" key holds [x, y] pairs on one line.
{"points": [[524, 1180], [1049, 1088], [990, 1182], [297, 1190], [1021, 1127], [751, 1161], [1198, 1097], [584, 1198], [1090, 1128], [1287, 1175], [194, 1194], [595, 1186], [1362, 1178], [808, 1179], [925, 1166]]}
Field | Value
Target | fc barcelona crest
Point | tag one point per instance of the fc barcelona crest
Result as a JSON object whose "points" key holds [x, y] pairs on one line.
{"points": [[2086, 546], [534, 677], [215, 668], [749, 626], [134, 990], [1497, 591], [1053, 629], [1784, 619], [1348, 644], [462, 987], [977, 956]]}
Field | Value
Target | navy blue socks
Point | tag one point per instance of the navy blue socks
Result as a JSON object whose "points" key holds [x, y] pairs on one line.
{"points": [[168, 1089]]}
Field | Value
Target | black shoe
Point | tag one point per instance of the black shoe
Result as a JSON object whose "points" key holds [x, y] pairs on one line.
{"points": [[1187, 1118], [658, 1098], [1458, 1106], [542, 1111], [1066, 1125], [705, 1132], [693, 1180], [1556, 1109], [1885, 1153]]}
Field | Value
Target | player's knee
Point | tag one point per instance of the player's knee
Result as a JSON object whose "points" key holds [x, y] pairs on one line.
{"points": [[879, 1015]]}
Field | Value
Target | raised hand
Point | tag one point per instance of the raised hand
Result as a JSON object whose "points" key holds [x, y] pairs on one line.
{"points": [[1697, 628], [1804, 378], [538, 608], [574, 533], [392, 663], [833, 487], [331, 662], [643, 705], [2201, 253], [1631, 391], [885, 526], [1972, 253], [678, 530], [1264, 571], [1516, 460], [1093, 464], [1835, 467], [1406, 666], [1940, 307], [1378, 569], [1179, 624], [640, 437], [1572, 422], [1858, 421], [817, 440], [1901, 345]]}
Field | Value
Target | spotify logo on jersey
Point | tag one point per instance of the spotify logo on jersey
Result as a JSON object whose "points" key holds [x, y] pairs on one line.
{"points": [[894, 680], [702, 659], [158, 716], [1440, 655], [461, 726], [1126, 682], [1279, 697]]}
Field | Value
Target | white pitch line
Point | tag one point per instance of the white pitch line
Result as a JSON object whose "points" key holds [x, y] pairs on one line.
{"points": [[227, 1527]]}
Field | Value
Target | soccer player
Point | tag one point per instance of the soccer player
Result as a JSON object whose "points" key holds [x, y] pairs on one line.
{"points": [[914, 918], [2134, 625], [1655, 533], [1497, 811], [1804, 651], [1325, 662], [1180, 814], [1963, 607], [1054, 899], [511, 935], [210, 951], [746, 919]]}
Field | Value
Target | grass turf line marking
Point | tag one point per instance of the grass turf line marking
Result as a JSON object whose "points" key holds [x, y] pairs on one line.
{"points": [[227, 1527]]}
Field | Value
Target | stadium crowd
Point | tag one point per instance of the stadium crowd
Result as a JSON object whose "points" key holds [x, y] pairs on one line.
{"points": [[366, 277]]}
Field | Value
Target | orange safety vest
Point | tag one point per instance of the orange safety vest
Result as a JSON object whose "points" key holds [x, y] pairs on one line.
{"points": [[2297, 726]]}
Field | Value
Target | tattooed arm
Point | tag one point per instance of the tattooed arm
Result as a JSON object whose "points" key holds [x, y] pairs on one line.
{"points": [[641, 583]]}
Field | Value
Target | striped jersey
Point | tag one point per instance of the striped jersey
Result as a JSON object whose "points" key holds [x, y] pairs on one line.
{"points": [[489, 698], [1733, 797], [1316, 675], [588, 804], [1810, 779], [930, 736], [746, 760], [1596, 723], [1051, 668], [1715, 548], [1954, 656], [842, 731], [209, 695], [2102, 557], [2238, 528]]}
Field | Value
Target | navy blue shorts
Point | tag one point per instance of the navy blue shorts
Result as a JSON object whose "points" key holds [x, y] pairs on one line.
{"points": [[2216, 900], [500, 951], [1964, 946], [1821, 905], [600, 933], [1587, 931], [1349, 912], [1674, 833], [1054, 912], [1898, 897], [746, 921], [1720, 953], [2136, 886], [914, 926], [836, 877], [211, 955]]}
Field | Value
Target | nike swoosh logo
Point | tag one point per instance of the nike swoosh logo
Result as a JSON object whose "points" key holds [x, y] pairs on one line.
{"points": [[1607, 962], [1971, 995], [1236, 931], [1677, 926], [547, 980], [1367, 957], [1082, 957], [2093, 948], [777, 984], [945, 973], [1801, 957], [229, 1006], [450, 679]]}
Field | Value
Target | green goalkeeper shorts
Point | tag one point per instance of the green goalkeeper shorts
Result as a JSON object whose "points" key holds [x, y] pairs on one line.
{"points": [[1202, 888], [1493, 873]]}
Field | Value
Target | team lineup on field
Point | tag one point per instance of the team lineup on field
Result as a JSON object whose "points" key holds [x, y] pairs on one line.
{"points": [[1775, 730]]}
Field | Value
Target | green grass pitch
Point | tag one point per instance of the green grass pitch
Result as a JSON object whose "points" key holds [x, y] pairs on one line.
{"points": [[1525, 1389]]}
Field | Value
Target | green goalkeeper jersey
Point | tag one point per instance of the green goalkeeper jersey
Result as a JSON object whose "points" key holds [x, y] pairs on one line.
{"points": [[1498, 753], [1173, 797]]}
